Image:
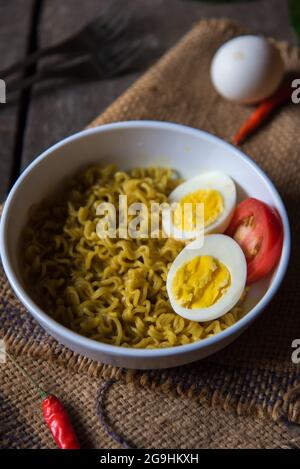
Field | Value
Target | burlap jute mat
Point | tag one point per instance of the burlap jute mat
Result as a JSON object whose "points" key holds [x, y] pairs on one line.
{"points": [[255, 375], [146, 419]]}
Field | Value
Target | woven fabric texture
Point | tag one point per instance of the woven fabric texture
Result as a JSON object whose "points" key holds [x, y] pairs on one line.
{"points": [[253, 375], [144, 418]]}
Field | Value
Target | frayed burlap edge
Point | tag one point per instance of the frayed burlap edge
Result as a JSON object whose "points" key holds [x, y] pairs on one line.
{"points": [[287, 406]]}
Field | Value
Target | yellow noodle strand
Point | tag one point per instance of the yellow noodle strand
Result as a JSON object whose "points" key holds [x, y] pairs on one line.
{"points": [[111, 290]]}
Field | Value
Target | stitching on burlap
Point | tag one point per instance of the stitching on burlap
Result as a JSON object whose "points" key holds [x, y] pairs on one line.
{"points": [[100, 410], [279, 416]]}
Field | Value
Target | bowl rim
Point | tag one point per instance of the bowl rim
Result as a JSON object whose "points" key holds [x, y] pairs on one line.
{"points": [[115, 350]]}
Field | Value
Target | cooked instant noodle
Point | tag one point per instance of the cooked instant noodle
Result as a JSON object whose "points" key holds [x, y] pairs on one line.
{"points": [[112, 290]]}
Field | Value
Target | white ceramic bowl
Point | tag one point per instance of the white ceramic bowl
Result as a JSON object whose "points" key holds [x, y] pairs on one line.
{"points": [[131, 144]]}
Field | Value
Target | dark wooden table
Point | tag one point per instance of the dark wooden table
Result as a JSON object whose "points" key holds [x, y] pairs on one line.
{"points": [[37, 119]]}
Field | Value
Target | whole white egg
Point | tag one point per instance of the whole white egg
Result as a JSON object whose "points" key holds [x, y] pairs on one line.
{"points": [[247, 69]]}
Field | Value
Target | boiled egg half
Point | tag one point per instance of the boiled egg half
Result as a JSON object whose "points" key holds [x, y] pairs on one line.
{"points": [[201, 205], [207, 279]]}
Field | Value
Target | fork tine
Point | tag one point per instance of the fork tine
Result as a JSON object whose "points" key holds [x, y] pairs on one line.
{"points": [[119, 22], [122, 57], [108, 29], [129, 61], [120, 50]]}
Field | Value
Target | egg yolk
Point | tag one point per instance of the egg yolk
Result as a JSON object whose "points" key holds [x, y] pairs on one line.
{"points": [[187, 219], [201, 282]]}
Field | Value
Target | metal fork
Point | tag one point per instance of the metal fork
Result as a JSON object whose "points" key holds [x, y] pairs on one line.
{"points": [[101, 49], [103, 29], [105, 64]]}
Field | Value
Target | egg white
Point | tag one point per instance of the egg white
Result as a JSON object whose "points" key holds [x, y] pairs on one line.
{"points": [[208, 180], [225, 250], [247, 69]]}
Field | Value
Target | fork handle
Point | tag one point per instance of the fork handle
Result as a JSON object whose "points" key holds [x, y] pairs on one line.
{"points": [[20, 85], [65, 70], [62, 47]]}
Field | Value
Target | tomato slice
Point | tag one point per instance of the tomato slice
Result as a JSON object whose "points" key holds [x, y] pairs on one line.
{"points": [[257, 228]]}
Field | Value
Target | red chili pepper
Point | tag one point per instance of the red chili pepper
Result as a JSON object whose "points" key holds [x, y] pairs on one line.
{"points": [[261, 113], [55, 415], [59, 423]]}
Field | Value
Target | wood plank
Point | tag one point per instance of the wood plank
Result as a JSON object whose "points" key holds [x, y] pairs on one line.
{"points": [[64, 111], [14, 30]]}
